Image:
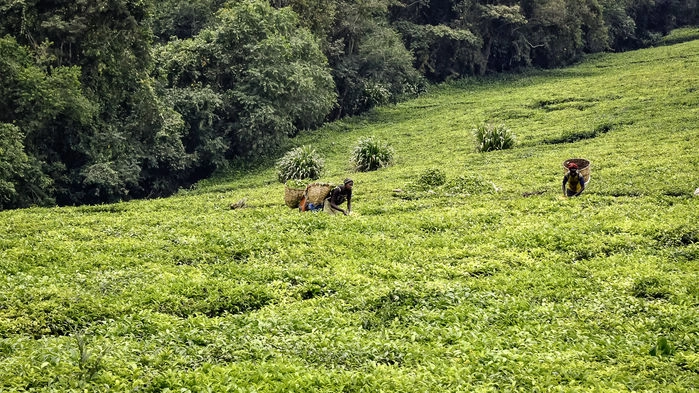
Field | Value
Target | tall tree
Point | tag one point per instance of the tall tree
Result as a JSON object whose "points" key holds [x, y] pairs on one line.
{"points": [[99, 155], [247, 82], [183, 19], [371, 65], [43, 106]]}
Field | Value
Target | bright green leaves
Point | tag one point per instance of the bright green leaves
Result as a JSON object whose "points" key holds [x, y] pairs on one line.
{"points": [[300, 163], [370, 154], [491, 137]]}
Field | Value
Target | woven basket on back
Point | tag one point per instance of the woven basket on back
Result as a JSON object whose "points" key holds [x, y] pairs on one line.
{"points": [[583, 167], [317, 192], [292, 196]]}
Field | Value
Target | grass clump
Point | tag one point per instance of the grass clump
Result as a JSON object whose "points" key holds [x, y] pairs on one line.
{"points": [[371, 154], [302, 162], [491, 137], [433, 177], [650, 288]]}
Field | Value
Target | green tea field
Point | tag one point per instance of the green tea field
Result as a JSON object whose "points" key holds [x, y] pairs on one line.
{"points": [[487, 281]]}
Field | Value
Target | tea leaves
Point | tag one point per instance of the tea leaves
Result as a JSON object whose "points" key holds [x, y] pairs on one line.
{"points": [[457, 271]]}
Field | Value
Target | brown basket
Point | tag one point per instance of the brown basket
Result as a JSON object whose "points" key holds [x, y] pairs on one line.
{"points": [[317, 192], [292, 196], [583, 167]]}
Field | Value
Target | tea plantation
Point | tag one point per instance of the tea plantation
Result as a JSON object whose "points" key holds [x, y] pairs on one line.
{"points": [[458, 271]]}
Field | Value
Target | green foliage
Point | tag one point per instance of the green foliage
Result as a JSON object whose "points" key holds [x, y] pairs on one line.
{"points": [[650, 288], [662, 348], [370, 64], [183, 19], [370, 154], [247, 82], [298, 184], [302, 162], [458, 289], [470, 185], [433, 177], [89, 363], [491, 137], [43, 114], [13, 163], [87, 106]]}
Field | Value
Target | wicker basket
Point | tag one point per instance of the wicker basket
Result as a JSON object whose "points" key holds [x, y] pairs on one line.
{"points": [[317, 192], [292, 196], [583, 167]]}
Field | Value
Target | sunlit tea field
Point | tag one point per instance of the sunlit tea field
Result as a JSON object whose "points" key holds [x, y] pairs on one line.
{"points": [[489, 281]]}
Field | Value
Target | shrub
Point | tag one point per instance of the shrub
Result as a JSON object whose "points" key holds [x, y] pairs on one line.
{"points": [[433, 177], [300, 163], [650, 288], [470, 185], [493, 137], [371, 154]]}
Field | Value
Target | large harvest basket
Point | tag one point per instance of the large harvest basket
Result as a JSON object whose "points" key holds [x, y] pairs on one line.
{"points": [[292, 196], [583, 167], [317, 192]]}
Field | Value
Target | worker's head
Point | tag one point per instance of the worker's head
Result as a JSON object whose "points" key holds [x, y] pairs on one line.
{"points": [[349, 183], [573, 167]]}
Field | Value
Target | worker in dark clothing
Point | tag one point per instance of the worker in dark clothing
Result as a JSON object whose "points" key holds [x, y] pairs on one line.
{"points": [[338, 196]]}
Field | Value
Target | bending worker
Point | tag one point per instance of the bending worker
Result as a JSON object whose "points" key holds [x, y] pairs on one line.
{"points": [[337, 196], [573, 182]]}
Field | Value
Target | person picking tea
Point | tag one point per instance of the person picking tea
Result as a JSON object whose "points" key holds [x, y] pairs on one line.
{"points": [[339, 195], [573, 181]]}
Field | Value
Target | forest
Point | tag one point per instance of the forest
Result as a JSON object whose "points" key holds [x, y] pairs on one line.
{"points": [[110, 100]]}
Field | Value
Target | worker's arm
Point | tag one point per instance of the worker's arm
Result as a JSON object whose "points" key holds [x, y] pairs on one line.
{"points": [[565, 180], [333, 205]]}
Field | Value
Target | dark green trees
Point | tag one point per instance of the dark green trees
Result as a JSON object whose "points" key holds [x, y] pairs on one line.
{"points": [[86, 118], [247, 82], [42, 111]]}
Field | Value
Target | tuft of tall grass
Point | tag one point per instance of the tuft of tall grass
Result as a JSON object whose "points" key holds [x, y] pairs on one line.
{"points": [[370, 154], [300, 163], [493, 137]]}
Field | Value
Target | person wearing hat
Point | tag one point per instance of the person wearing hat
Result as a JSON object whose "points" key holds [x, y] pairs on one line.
{"points": [[337, 196], [573, 182]]}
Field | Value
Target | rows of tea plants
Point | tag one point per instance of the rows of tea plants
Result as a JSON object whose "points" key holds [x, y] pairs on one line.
{"points": [[458, 271]]}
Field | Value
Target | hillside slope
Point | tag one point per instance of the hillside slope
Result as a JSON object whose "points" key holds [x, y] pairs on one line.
{"points": [[490, 282]]}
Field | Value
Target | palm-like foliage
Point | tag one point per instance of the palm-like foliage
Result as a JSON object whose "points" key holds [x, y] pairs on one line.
{"points": [[493, 137], [371, 154], [300, 163]]}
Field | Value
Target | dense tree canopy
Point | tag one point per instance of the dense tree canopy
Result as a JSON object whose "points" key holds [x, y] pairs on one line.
{"points": [[104, 100], [245, 83]]}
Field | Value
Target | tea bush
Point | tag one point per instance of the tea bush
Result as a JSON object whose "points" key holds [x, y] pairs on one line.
{"points": [[493, 137], [302, 162], [371, 154], [433, 177], [491, 281]]}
